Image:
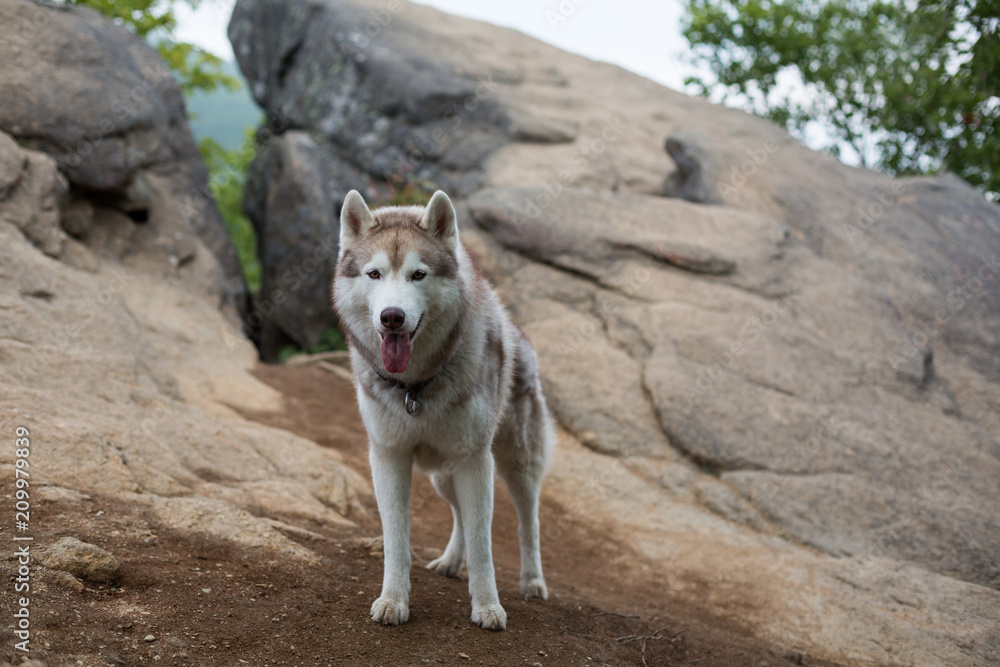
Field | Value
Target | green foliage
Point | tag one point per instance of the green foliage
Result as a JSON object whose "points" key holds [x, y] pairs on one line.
{"points": [[195, 68], [223, 115], [142, 17], [154, 20], [329, 339], [227, 174], [410, 195], [913, 82]]}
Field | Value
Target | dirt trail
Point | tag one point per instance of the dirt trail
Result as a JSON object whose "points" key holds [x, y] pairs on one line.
{"points": [[207, 603]]}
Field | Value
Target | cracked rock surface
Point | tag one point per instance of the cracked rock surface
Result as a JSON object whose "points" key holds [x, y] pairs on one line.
{"points": [[804, 348], [120, 291]]}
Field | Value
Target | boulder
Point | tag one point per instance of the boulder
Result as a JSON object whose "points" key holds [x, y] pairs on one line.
{"points": [[112, 118], [81, 559], [294, 212], [198, 517], [368, 87], [814, 344], [119, 339], [352, 100]]}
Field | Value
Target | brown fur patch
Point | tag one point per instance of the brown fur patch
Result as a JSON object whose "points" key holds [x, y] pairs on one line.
{"points": [[494, 344], [348, 266], [397, 230], [446, 350]]}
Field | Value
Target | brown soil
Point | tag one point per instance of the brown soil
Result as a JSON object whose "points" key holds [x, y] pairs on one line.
{"points": [[602, 609]]}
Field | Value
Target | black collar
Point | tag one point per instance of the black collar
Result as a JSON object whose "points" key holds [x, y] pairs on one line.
{"points": [[410, 402]]}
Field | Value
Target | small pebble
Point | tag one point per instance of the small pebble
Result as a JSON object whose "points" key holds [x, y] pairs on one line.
{"points": [[150, 638], [463, 655]]}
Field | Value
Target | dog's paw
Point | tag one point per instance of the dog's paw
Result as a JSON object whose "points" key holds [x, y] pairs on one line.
{"points": [[490, 616], [534, 588], [445, 565], [390, 612]]}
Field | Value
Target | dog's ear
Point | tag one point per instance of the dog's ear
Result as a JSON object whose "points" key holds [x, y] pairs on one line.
{"points": [[355, 219], [440, 221]]}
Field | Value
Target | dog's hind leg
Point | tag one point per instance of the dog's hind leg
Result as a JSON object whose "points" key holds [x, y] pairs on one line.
{"points": [[450, 562], [522, 449], [525, 492]]}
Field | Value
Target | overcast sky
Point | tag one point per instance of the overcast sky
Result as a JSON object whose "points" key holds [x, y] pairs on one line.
{"points": [[639, 35]]}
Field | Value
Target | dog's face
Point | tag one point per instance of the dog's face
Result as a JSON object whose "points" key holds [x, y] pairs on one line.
{"points": [[396, 274]]}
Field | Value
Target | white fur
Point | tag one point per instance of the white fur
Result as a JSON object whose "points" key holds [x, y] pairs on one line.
{"points": [[474, 416]]}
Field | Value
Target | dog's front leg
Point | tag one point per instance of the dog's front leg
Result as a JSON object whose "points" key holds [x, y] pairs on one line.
{"points": [[474, 489], [392, 473]]}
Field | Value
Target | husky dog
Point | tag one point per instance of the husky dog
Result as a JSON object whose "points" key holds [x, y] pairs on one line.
{"points": [[447, 382]]}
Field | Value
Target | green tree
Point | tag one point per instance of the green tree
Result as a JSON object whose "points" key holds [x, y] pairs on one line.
{"points": [[910, 85], [227, 176], [154, 20]]}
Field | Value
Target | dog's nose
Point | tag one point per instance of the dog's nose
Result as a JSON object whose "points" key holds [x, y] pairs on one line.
{"points": [[392, 318]]}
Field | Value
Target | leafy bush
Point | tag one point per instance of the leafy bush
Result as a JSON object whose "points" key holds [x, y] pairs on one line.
{"points": [[911, 86], [330, 339], [227, 175]]}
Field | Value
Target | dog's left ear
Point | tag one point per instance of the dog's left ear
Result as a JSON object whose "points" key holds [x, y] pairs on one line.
{"points": [[440, 220]]}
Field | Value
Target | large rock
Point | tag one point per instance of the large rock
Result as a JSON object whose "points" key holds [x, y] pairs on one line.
{"points": [[118, 350], [377, 113], [815, 345], [102, 104], [294, 212], [367, 85], [777, 376]]}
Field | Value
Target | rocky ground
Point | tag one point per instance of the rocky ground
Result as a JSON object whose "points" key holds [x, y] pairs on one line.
{"points": [[775, 377], [203, 601]]}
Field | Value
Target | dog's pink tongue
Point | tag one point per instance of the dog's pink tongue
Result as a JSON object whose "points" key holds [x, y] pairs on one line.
{"points": [[396, 352]]}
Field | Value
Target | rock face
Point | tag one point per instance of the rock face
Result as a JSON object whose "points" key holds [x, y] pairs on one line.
{"points": [[120, 348], [33, 189], [776, 376], [815, 344], [112, 118], [294, 214], [129, 368], [379, 114]]}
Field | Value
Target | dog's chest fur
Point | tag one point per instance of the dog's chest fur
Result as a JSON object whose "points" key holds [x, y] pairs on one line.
{"points": [[462, 404]]}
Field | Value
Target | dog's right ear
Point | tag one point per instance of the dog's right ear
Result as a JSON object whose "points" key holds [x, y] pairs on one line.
{"points": [[355, 219]]}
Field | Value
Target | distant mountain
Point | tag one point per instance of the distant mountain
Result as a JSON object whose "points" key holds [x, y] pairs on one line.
{"points": [[223, 114]]}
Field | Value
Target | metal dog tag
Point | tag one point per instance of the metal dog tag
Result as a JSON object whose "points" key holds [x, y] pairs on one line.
{"points": [[411, 403]]}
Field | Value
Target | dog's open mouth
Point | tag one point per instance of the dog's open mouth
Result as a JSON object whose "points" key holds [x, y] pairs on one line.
{"points": [[396, 349]]}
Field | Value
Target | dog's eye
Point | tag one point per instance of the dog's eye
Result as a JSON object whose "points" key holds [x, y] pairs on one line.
{"points": [[418, 275], [374, 274]]}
